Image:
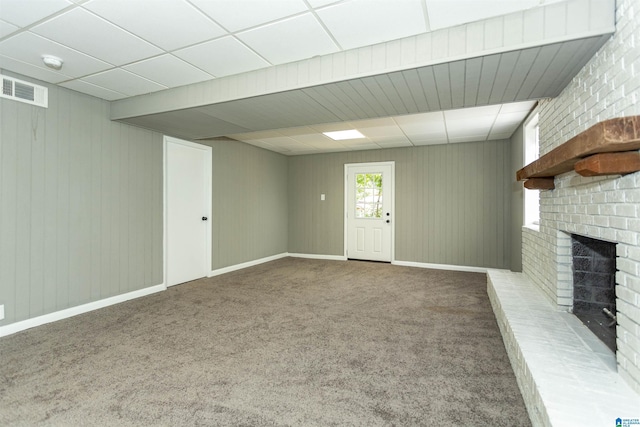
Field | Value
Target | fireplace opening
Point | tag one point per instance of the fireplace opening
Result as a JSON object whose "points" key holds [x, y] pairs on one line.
{"points": [[594, 284]]}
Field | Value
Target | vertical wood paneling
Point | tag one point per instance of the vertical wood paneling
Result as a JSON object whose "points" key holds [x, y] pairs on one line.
{"points": [[77, 195], [38, 211], [23, 198], [96, 278], [487, 77], [62, 201], [392, 93], [449, 206], [8, 194], [505, 70], [249, 206], [538, 70], [443, 80], [457, 71], [523, 68], [472, 81], [52, 174]]}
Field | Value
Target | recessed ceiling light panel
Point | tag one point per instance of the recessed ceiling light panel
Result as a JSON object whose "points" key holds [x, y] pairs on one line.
{"points": [[341, 135]]}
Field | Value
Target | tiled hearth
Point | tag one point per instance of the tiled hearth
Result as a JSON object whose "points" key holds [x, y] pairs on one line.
{"points": [[566, 375]]}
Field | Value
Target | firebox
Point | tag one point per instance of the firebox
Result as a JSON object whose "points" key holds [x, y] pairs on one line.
{"points": [[594, 283]]}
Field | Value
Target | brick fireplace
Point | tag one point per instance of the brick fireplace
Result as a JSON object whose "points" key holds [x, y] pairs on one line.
{"points": [[605, 207], [566, 375]]}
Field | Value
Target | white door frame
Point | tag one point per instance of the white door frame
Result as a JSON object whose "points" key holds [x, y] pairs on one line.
{"points": [[208, 190], [393, 203]]}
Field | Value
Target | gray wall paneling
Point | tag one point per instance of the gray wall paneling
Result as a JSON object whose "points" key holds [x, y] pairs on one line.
{"points": [[80, 205], [249, 207], [453, 202]]}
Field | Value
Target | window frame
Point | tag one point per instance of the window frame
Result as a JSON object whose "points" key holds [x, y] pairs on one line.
{"points": [[531, 152]]}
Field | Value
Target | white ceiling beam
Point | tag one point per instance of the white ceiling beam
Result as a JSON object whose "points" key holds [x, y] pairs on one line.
{"points": [[490, 36]]}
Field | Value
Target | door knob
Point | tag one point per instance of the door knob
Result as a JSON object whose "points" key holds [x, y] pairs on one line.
{"points": [[204, 218]]}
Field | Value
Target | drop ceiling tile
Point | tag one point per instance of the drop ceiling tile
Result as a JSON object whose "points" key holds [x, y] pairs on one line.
{"points": [[168, 71], [472, 112], [363, 22], [428, 138], [417, 125], [7, 28], [76, 64], [364, 147], [393, 143], [169, 24], [93, 90], [255, 136], [313, 139], [240, 15], [279, 140], [472, 126], [350, 143], [119, 80], [430, 141], [293, 39], [504, 128], [321, 143], [26, 12], [331, 127], [468, 138], [222, 57], [44, 74], [298, 131], [86, 32], [514, 107], [320, 3], [379, 129], [511, 118]]}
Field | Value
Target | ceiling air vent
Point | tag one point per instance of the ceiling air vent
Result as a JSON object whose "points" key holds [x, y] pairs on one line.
{"points": [[22, 91]]}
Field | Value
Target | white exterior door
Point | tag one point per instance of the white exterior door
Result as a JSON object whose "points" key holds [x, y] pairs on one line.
{"points": [[369, 211], [187, 211]]}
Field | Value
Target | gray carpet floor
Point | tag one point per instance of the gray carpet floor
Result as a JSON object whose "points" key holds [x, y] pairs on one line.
{"points": [[292, 342]]}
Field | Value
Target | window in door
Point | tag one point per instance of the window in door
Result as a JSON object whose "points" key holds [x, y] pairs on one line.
{"points": [[368, 195]]}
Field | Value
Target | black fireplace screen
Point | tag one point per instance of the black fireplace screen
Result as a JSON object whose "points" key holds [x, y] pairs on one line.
{"points": [[594, 283]]}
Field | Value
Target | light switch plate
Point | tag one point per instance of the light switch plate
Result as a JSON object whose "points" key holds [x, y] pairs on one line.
{"points": [[322, 196], [1, 311]]}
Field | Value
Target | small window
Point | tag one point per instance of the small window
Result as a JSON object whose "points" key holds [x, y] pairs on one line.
{"points": [[369, 195], [531, 153]]}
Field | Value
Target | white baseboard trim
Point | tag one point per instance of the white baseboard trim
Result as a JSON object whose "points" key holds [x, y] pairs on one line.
{"points": [[450, 267], [235, 267], [74, 311], [317, 256]]}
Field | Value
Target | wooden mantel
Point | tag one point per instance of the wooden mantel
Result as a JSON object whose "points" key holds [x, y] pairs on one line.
{"points": [[607, 148]]}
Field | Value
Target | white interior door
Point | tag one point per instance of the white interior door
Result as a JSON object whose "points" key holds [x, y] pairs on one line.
{"points": [[369, 211], [187, 211]]}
